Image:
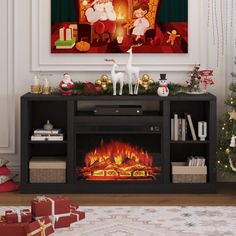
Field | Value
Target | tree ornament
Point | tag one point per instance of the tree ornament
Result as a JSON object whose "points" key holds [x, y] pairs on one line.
{"points": [[232, 142], [90, 88], [146, 81], [232, 115], [104, 81]]}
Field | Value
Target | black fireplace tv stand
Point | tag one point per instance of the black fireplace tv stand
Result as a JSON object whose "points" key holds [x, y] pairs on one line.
{"points": [[75, 116]]}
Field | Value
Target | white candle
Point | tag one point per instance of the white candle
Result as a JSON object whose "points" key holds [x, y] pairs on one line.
{"points": [[46, 83], [36, 81]]}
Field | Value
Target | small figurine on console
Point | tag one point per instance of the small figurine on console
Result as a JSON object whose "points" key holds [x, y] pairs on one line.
{"points": [[66, 85], [163, 90]]}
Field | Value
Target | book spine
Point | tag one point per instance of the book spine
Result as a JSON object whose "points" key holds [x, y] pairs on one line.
{"points": [[175, 127], [190, 122], [172, 129], [183, 133], [46, 138], [179, 129]]}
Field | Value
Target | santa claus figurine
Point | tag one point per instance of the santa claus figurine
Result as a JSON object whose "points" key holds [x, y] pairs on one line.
{"points": [[66, 85], [103, 17]]}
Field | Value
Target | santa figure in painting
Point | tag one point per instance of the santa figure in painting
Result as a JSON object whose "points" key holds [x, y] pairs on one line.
{"points": [[103, 17], [141, 23]]}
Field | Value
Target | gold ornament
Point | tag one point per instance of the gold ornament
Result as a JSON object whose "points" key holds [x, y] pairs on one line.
{"points": [[104, 81], [232, 115], [227, 151], [146, 81]]}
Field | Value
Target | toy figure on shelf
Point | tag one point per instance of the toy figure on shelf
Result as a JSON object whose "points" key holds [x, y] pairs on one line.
{"points": [[66, 85], [206, 78], [163, 90], [172, 37]]}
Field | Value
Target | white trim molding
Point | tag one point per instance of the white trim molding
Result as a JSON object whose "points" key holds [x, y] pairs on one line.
{"points": [[43, 60], [7, 104]]}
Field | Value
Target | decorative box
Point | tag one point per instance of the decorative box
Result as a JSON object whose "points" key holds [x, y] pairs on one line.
{"points": [[182, 173], [40, 227], [16, 229], [47, 170], [46, 206], [77, 216], [58, 208], [21, 216]]}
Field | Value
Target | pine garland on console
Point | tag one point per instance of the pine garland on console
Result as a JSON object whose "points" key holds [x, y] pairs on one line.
{"points": [[226, 151]]}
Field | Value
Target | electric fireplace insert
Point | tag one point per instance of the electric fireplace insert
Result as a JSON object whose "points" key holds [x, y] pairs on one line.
{"points": [[118, 157]]}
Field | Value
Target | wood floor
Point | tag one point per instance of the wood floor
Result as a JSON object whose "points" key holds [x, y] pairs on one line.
{"points": [[225, 196]]}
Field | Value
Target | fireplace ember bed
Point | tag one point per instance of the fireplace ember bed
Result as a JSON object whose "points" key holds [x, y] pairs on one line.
{"points": [[117, 154]]}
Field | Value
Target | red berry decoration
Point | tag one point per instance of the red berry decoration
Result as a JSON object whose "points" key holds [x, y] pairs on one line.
{"points": [[90, 88]]}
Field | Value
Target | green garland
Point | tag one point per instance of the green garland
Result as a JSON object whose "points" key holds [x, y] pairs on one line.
{"points": [[174, 88]]}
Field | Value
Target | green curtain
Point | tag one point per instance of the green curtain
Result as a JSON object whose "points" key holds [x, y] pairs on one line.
{"points": [[170, 11]]}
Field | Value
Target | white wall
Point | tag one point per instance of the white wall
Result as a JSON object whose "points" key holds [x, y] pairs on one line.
{"points": [[16, 75]]}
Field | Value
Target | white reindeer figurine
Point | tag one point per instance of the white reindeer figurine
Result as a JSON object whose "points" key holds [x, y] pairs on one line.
{"points": [[132, 70], [116, 77]]}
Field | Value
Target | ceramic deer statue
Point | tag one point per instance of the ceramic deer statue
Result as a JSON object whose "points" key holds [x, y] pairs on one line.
{"points": [[116, 77], [132, 71]]}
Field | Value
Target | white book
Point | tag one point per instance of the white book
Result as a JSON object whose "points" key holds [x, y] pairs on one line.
{"points": [[183, 133], [43, 131], [172, 129], [46, 138], [176, 127], [190, 122]]}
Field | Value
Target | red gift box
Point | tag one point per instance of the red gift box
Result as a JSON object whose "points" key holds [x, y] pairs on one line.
{"points": [[40, 227], [62, 222], [17, 229], [21, 216], [74, 207], [46, 206], [76, 216]]}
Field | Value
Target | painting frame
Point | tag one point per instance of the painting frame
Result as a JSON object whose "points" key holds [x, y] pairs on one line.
{"points": [[42, 59]]}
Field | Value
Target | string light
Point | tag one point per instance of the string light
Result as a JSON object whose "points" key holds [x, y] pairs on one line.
{"points": [[226, 166], [223, 128], [218, 162]]}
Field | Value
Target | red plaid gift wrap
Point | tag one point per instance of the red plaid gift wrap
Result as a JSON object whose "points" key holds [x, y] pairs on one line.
{"points": [[16, 229], [41, 227], [21, 216], [46, 206], [76, 215]]}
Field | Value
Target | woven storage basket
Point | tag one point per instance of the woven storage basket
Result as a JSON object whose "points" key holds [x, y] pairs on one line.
{"points": [[182, 173], [47, 170]]}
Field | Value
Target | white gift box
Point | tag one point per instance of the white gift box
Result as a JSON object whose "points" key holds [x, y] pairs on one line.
{"points": [[65, 34]]}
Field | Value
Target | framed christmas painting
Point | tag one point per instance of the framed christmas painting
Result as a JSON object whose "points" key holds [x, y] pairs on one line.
{"points": [[112, 26]]}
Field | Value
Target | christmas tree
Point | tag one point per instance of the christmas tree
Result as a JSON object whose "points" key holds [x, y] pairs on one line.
{"points": [[226, 153]]}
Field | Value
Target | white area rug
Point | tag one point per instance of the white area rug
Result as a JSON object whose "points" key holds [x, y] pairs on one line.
{"points": [[152, 221]]}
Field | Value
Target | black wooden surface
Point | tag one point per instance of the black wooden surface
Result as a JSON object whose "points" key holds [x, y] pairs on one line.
{"points": [[35, 109]]}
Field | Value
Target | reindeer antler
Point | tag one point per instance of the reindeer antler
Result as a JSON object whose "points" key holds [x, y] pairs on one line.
{"points": [[110, 60]]}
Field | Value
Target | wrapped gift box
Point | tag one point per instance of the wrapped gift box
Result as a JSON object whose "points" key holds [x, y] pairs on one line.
{"points": [[62, 222], [45, 206], [16, 229], [65, 33], [40, 227], [21, 216], [77, 216]]}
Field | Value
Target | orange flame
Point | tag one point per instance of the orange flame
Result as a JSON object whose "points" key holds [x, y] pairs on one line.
{"points": [[117, 160]]}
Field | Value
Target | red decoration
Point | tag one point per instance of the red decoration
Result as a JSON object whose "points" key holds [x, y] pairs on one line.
{"points": [[21, 216], [4, 171], [66, 85], [62, 222], [43, 206], [12, 229], [77, 216], [90, 88], [42, 227], [9, 186]]}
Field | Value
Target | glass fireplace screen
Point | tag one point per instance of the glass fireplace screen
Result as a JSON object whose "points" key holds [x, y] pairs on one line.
{"points": [[118, 157]]}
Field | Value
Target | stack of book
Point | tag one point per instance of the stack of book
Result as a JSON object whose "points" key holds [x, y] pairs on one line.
{"points": [[196, 161], [179, 128], [47, 135]]}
